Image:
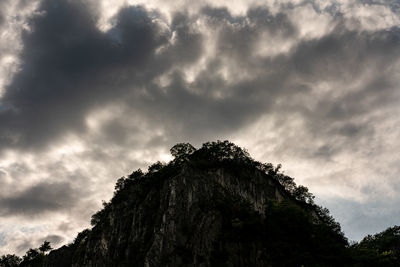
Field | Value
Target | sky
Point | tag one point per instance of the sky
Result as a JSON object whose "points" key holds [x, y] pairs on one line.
{"points": [[92, 90]]}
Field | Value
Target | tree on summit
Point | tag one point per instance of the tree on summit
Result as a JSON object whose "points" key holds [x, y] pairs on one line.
{"points": [[181, 151], [45, 247]]}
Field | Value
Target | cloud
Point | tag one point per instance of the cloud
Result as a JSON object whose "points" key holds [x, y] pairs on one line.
{"points": [[24, 247], [39, 199], [358, 219], [53, 239], [70, 68], [68, 62]]}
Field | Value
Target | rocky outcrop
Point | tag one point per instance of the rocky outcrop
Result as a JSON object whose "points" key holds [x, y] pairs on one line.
{"points": [[214, 206], [177, 221]]}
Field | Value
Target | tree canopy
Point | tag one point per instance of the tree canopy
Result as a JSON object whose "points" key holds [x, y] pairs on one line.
{"points": [[45, 247], [181, 151], [10, 260]]}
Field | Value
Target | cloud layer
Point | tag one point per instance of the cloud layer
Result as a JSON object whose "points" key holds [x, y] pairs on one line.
{"points": [[90, 93]]}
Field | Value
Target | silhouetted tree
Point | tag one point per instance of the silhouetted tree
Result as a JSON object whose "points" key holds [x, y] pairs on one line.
{"points": [[181, 151], [384, 241], [136, 174], [10, 260], [264, 167], [287, 182], [301, 193], [277, 169], [96, 218], [31, 254], [381, 249], [119, 185], [293, 238], [33, 258], [223, 151], [156, 167], [45, 247]]}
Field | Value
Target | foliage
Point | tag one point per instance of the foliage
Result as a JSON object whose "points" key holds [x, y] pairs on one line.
{"points": [[181, 151], [33, 258], [98, 216], [221, 151], [388, 240], [286, 236], [381, 249], [81, 236], [10, 260], [136, 175], [156, 167], [293, 238], [45, 247], [119, 185], [31, 254]]}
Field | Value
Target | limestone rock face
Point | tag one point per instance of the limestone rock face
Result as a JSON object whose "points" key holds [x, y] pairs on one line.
{"points": [[214, 206], [179, 220]]}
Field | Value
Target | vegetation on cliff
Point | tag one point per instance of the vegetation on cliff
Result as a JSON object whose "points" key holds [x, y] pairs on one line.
{"points": [[245, 212]]}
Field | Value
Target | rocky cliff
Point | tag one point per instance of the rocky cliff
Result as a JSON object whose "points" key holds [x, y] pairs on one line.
{"points": [[177, 221], [209, 207]]}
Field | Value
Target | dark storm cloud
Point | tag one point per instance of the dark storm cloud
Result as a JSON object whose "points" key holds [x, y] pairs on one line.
{"points": [[69, 66], [38, 199], [348, 55], [2, 12], [192, 107], [344, 52], [281, 85]]}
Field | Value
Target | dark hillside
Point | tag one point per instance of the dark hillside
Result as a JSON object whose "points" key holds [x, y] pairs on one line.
{"points": [[214, 206]]}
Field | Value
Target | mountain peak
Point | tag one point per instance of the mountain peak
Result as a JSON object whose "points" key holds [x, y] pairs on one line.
{"points": [[212, 206]]}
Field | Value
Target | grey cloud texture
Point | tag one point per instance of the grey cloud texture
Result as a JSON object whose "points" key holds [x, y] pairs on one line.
{"points": [[39, 199], [67, 64], [69, 68], [300, 83]]}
